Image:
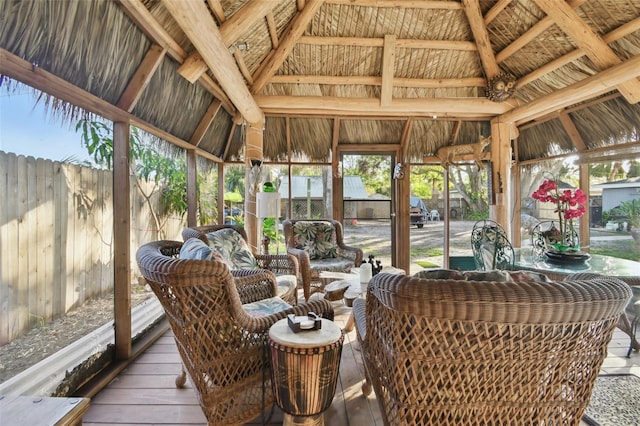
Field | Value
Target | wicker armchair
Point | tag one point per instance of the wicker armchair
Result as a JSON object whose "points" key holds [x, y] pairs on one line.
{"points": [[457, 352], [221, 346], [279, 264], [491, 246], [319, 246]]}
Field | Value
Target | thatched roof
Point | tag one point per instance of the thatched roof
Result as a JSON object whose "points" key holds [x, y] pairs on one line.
{"points": [[339, 72]]}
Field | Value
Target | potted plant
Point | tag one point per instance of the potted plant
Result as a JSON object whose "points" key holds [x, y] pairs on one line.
{"points": [[570, 205], [630, 210]]}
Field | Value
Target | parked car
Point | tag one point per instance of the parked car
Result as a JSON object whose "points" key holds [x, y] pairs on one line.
{"points": [[417, 211]]}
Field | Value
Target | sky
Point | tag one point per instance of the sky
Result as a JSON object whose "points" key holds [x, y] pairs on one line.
{"points": [[27, 130]]}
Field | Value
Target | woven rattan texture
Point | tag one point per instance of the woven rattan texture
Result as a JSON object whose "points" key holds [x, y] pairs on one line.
{"points": [[311, 282], [222, 348], [279, 264], [448, 352]]}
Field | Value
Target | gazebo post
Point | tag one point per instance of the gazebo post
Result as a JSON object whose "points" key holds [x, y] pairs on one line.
{"points": [[501, 173], [253, 158]]}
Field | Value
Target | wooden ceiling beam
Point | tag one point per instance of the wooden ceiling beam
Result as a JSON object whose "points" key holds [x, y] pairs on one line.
{"points": [[586, 39], [199, 26], [141, 77], [572, 131], [388, 69], [205, 122], [298, 25], [217, 9], [481, 36], [618, 33], [193, 68], [495, 11], [533, 32], [379, 42], [583, 90], [377, 81], [441, 107], [238, 24], [455, 132], [404, 4], [139, 14], [273, 30], [38, 78]]}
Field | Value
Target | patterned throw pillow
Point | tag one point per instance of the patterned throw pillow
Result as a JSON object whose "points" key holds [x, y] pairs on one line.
{"points": [[233, 248], [194, 248], [318, 239]]}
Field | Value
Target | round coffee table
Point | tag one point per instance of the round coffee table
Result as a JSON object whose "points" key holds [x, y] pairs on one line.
{"points": [[304, 370]]}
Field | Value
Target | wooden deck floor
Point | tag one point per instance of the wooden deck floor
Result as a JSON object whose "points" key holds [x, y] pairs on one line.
{"points": [[145, 393]]}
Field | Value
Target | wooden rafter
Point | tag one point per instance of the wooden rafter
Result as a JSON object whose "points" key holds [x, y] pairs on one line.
{"points": [[586, 39], [205, 123], [24, 71], [388, 69], [533, 32], [139, 14], [235, 26], [477, 108], [616, 34], [379, 42], [433, 83], [199, 26], [495, 10], [583, 90], [403, 4], [481, 36], [453, 139], [572, 131], [237, 54], [273, 31], [141, 77], [217, 9], [277, 56]]}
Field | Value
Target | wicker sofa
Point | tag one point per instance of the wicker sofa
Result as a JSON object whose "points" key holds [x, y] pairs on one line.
{"points": [[230, 241], [319, 246], [221, 338], [500, 348]]}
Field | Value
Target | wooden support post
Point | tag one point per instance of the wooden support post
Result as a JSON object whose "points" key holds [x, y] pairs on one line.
{"points": [[501, 173], [220, 203], [447, 220], [400, 257], [254, 134], [121, 241], [192, 185], [585, 220]]}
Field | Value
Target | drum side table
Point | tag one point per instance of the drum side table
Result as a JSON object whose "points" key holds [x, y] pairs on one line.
{"points": [[304, 370]]}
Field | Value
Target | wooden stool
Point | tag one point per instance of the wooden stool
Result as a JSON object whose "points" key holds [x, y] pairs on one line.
{"points": [[304, 370]]}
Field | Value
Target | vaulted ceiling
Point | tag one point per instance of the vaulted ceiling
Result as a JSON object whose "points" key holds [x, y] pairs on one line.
{"points": [[323, 74]]}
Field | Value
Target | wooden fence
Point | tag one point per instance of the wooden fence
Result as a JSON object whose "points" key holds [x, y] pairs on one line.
{"points": [[56, 239]]}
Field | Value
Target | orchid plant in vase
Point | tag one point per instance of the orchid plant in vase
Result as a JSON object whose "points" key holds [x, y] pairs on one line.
{"points": [[570, 205]]}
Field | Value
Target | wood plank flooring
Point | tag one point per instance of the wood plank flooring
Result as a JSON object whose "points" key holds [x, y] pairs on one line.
{"points": [[145, 393]]}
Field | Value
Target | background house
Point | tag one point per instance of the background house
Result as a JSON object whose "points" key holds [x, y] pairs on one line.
{"points": [[613, 193]]}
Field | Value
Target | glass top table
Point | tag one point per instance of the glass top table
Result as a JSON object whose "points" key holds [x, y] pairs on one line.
{"points": [[600, 264]]}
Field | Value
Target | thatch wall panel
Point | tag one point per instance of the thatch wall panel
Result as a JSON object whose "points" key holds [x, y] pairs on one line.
{"points": [[426, 137], [614, 121], [417, 63], [312, 137], [236, 144], [64, 38], [544, 140], [275, 139], [215, 139], [371, 131], [169, 96], [309, 59]]}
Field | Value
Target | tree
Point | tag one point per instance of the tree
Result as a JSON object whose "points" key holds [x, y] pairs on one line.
{"points": [[166, 174]]}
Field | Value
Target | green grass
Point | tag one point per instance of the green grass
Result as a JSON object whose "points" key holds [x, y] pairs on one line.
{"points": [[425, 252], [622, 249], [427, 264]]}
